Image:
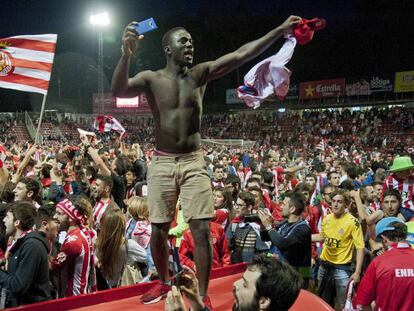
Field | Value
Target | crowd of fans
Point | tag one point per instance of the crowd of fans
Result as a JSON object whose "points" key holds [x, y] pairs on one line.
{"points": [[311, 192]]}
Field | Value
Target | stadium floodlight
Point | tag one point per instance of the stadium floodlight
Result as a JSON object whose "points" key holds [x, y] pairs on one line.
{"points": [[100, 19], [281, 110]]}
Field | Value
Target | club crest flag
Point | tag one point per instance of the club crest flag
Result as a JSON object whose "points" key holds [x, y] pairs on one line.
{"points": [[107, 124], [26, 62]]}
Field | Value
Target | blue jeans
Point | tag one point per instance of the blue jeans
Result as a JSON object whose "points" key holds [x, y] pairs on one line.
{"points": [[333, 282]]}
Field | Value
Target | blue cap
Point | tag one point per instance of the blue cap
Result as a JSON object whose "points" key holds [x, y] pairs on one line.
{"points": [[385, 225]]}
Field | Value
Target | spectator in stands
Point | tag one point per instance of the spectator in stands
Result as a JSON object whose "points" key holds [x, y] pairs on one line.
{"points": [[27, 275], [402, 180], [311, 212], [258, 203], [391, 207], [228, 168], [244, 235], [9, 165], [267, 284], [103, 200], [114, 251], [138, 228], [253, 182], [4, 208], [28, 189], [234, 185], [378, 187], [389, 279], [116, 171], [221, 253], [334, 179], [46, 224], [341, 233], [218, 180], [223, 207], [292, 238], [75, 260], [130, 181]]}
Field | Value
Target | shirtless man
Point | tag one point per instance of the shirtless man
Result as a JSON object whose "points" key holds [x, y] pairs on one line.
{"points": [[175, 96]]}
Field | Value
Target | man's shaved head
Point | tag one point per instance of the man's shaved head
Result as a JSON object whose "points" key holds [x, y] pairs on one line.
{"points": [[167, 36]]}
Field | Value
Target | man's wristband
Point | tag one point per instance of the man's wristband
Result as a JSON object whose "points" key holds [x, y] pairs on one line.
{"points": [[269, 227]]}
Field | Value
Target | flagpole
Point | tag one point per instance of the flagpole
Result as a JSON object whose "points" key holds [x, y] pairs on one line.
{"points": [[40, 119]]}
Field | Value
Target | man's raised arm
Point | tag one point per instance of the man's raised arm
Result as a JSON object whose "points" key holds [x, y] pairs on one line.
{"points": [[121, 85], [227, 63]]}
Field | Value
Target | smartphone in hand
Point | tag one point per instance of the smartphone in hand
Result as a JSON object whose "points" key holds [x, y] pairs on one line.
{"points": [[146, 26]]}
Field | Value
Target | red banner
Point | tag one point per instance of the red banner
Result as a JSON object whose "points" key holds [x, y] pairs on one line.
{"points": [[109, 107], [321, 89]]}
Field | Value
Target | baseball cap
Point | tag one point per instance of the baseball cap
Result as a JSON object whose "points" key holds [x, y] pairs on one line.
{"points": [[385, 225]]}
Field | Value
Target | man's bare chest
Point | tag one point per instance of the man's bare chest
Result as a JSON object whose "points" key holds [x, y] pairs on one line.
{"points": [[176, 93]]}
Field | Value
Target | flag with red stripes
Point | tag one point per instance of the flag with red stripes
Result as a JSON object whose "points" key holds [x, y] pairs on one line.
{"points": [[107, 124], [26, 62], [2, 155]]}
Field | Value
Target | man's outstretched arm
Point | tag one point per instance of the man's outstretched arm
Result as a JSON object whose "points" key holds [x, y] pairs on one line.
{"points": [[227, 63]]}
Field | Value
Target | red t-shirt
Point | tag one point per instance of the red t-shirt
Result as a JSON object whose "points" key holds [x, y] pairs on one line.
{"points": [[389, 280], [221, 252], [75, 258]]}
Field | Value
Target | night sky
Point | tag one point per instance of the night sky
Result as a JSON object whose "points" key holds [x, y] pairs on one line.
{"points": [[361, 37]]}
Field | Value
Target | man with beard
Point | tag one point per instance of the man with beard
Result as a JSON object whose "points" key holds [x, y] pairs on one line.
{"points": [[101, 192], [27, 275], [75, 259], [175, 96], [267, 284], [49, 226], [116, 171], [402, 179], [292, 238], [233, 184]]}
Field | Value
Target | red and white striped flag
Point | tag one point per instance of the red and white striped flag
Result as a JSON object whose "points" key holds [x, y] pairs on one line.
{"points": [[321, 146], [2, 155], [107, 124], [26, 62]]}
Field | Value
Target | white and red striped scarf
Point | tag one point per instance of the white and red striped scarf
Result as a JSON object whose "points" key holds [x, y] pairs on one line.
{"points": [[217, 184]]}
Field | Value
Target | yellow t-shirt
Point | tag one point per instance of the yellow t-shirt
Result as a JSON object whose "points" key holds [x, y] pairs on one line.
{"points": [[341, 235]]}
